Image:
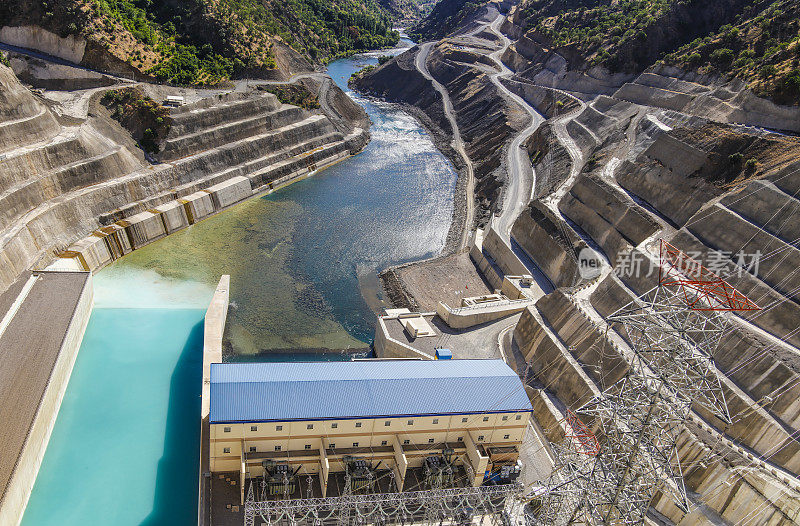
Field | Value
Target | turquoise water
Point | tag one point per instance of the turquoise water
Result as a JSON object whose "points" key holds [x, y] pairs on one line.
{"points": [[125, 446], [302, 261]]}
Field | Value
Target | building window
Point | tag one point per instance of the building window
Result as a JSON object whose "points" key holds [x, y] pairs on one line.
{"points": [[253, 428], [518, 417], [331, 446], [226, 429], [358, 424], [384, 442], [278, 428], [334, 425], [387, 423], [226, 450], [460, 439], [505, 437], [480, 438], [277, 448], [505, 417], [310, 426], [308, 446], [355, 444], [464, 420], [485, 418], [435, 420], [430, 441], [252, 449], [411, 422], [406, 442]]}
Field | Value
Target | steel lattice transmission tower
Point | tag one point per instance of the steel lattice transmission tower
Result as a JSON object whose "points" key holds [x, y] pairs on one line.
{"points": [[489, 505], [561, 500], [673, 331]]}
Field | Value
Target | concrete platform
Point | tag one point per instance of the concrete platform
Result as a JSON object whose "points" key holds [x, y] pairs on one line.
{"points": [[481, 341], [41, 327]]}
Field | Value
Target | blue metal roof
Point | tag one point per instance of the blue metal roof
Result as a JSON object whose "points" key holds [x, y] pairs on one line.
{"points": [[263, 392]]}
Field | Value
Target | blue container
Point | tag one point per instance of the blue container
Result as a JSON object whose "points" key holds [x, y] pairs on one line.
{"points": [[444, 354]]}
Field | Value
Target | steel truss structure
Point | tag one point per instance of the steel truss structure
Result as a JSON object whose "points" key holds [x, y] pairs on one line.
{"points": [[672, 330], [496, 505]]}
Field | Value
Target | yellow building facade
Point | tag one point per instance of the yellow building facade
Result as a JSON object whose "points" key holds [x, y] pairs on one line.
{"points": [[313, 417]]}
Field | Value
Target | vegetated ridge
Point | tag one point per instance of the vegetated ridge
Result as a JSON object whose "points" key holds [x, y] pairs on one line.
{"points": [[207, 41], [754, 40]]}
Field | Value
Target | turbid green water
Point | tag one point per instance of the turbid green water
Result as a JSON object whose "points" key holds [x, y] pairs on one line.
{"points": [[125, 445]]}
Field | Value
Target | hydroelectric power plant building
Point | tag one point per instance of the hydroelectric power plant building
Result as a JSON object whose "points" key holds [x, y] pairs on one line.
{"points": [[331, 428]]}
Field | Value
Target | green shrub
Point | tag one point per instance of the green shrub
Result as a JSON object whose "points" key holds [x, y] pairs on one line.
{"points": [[694, 59], [723, 57], [736, 158], [791, 83]]}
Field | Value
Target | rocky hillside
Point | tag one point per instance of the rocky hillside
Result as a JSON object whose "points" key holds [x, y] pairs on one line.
{"points": [[206, 41], [446, 16], [757, 41]]}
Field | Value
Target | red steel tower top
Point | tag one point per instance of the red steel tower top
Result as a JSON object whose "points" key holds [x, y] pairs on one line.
{"points": [[701, 289]]}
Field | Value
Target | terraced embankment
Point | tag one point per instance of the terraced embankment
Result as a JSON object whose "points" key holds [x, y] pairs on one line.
{"points": [[643, 181], [83, 191]]}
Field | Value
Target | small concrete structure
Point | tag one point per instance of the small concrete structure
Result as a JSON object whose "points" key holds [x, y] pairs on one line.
{"points": [[91, 252], [116, 238], [173, 214], [416, 326], [520, 287], [229, 192], [143, 228], [197, 205], [174, 101]]}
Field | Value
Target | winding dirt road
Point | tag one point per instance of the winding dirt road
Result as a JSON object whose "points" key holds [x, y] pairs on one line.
{"points": [[421, 62], [521, 175]]}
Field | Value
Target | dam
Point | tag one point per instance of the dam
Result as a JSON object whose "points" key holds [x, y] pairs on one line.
{"points": [[127, 428]]}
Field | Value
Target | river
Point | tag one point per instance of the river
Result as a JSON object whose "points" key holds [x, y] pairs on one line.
{"points": [[303, 263]]}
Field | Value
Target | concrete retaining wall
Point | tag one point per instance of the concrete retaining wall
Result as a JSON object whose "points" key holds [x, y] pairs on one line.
{"points": [[30, 459], [462, 318], [213, 330], [606, 216], [539, 235], [69, 48]]}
